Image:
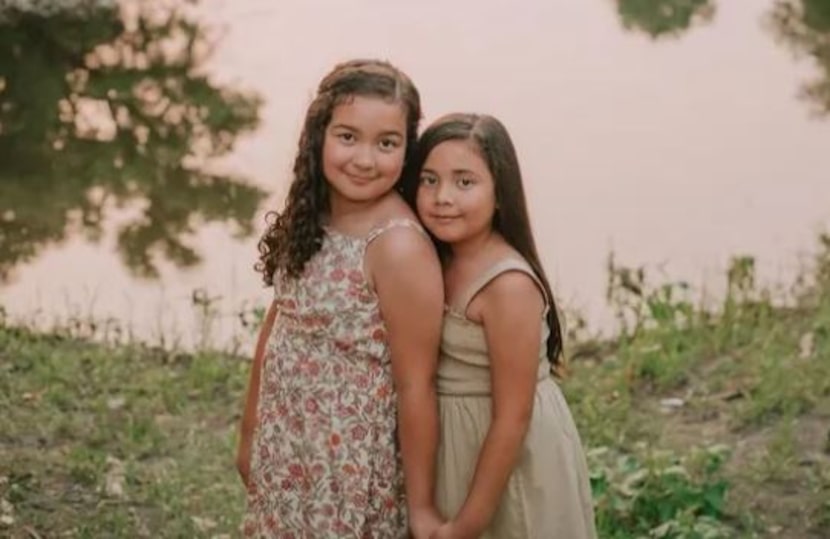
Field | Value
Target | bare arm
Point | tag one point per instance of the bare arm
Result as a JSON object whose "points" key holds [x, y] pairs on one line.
{"points": [[511, 308], [248, 422], [407, 277]]}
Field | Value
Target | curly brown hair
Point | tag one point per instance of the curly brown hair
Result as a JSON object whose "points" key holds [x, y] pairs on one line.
{"points": [[294, 235]]}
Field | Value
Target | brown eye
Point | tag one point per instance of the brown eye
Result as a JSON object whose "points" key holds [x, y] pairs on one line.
{"points": [[388, 144]]}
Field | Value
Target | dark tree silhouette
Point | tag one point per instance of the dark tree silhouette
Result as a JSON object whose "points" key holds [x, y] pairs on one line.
{"points": [[801, 25], [108, 106], [659, 18], [804, 26]]}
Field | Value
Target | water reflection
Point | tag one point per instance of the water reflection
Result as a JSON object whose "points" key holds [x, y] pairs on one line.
{"points": [[105, 109], [632, 144], [802, 25], [661, 18]]}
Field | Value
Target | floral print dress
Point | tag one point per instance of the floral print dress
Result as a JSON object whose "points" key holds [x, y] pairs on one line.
{"points": [[325, 461]]}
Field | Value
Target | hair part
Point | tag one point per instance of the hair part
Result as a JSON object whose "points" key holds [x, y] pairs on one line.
{"points": [[511, 219], [295, 234]]}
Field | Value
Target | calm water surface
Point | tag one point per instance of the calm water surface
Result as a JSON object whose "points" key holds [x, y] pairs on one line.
{"points": [[675, 153]]}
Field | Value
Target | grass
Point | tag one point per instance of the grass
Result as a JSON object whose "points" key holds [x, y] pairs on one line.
{"points": [[102, 441], [749, 377], [702, 421]]}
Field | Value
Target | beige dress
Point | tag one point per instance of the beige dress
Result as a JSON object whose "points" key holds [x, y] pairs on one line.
{"points": [[548, 494]]}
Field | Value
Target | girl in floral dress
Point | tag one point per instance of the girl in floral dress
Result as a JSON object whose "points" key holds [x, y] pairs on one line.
{"points": [[341, 406]]}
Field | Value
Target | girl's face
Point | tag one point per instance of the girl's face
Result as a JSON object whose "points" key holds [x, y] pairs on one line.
{"points": [[456, 197], [363, 149]]}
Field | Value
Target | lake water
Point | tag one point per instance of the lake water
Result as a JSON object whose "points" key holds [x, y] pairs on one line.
{"points": [[674, 153]]}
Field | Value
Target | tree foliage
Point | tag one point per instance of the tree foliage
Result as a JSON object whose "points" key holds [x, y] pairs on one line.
{"points": [[802, 25], [106, 106]]}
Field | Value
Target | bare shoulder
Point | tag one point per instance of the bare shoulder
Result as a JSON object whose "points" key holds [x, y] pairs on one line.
{"points": [[512, 285], [512, 294], [403, 266], [399, 247], [403, 249], [397, 240]]}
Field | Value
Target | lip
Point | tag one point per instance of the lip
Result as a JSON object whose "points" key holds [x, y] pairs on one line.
{"points": [[360, 179], [444, 218]]}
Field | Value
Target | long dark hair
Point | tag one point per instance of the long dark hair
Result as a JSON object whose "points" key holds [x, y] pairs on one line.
{"points": [[511, 220], [294, 235]]}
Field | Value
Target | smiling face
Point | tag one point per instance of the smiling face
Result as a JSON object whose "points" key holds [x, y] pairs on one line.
{"points": [[456, 197], [363, 149]]}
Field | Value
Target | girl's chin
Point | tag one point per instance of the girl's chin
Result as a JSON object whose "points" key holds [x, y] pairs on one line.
{"points": [[449, 239]]}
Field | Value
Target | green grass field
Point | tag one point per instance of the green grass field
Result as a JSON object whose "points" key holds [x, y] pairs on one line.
{"points": [[701, 422]]}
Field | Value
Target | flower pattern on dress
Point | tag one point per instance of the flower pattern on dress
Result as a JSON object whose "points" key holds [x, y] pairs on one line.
{"points": [[325, 460]]}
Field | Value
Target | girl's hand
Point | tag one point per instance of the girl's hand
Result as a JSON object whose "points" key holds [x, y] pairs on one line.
{"points": [[424, 522], [451, 530]]}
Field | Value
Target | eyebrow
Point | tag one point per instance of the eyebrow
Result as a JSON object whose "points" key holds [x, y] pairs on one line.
{"points": [[455, 171], [356, 130]]}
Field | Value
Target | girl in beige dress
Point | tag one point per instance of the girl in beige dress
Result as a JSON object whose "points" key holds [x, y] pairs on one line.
{"points": [[510, 463]]}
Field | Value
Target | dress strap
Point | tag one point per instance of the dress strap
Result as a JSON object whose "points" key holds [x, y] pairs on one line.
{"points": [[395, 223], [502, 266]]}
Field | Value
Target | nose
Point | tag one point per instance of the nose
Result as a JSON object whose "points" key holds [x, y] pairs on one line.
{"points": [[364, 157], [443, 195]]}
